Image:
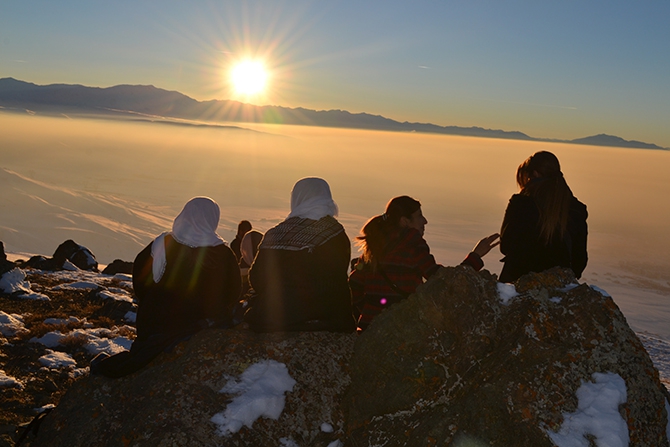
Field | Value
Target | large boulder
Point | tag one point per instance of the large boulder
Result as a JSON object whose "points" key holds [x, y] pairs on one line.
{"points": [[464, 362], [67, 256], [77, 254], [171, 402], [118, 266], [461, 362]]}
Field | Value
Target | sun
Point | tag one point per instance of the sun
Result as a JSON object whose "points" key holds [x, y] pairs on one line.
{"points": [[249, 77]]}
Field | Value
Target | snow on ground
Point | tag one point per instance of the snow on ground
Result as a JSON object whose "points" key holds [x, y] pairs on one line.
{"points": [[260, 392], [9, 381], [57, 360], [14, 281], [78, 285], [506, 292], [597, 414], [96, 339], [117, 294], [659, 351], [11, 324]]}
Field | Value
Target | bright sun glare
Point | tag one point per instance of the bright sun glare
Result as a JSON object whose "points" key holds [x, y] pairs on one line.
{"points": [[249, 77]]}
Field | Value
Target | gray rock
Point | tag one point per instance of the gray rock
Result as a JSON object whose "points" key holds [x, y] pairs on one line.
{"points": [[453, 365], [450, 366], [171, 401]]}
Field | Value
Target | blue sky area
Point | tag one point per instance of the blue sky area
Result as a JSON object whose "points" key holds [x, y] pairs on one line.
{"points": [[550, 69]]}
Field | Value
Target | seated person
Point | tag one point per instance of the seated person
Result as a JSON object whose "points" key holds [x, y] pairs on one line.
{"points": [[248, 249], [300, 272], [185, 280], [396, 259], [544, 224], [242, 228]]}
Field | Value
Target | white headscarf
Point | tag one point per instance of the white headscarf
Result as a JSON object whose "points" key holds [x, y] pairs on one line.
{"points": [[311, 199], [194, 227]]}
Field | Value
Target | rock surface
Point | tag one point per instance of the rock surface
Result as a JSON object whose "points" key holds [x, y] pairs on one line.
{"points": [[171, 401], [118, 266], [452, 365], [67, 252]]}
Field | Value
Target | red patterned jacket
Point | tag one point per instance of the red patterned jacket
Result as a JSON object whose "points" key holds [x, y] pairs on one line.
{"points": [[406, 265]]}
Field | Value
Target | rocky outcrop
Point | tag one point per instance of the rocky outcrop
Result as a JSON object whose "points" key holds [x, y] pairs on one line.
{"points": [[118, 266], [172, 401], [69, 252], [455, 365], [77, 254], [461, 362]]}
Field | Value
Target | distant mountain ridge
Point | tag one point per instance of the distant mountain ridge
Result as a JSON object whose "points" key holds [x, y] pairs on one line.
{"points": [[156, 102]]}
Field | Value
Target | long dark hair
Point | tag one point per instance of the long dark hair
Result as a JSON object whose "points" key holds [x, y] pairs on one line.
{"points": [[540, 177], [379, 231]]}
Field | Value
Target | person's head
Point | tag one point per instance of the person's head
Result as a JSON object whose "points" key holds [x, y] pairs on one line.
{"points": [[243, 227], [401, 212], [311, 199], [540, 177], [197, 222], [541, 164], [405, 212], [249, 245]]}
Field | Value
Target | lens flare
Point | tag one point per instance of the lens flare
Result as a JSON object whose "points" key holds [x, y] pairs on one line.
{"points": [[249, 77]]}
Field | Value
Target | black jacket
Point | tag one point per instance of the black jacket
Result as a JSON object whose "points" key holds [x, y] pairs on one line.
{"points": [[302, 290], [523, 248], [198, 284]]}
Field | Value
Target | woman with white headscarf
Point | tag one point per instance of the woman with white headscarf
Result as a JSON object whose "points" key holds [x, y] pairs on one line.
{"points": [[300, 272], [185, 280]]}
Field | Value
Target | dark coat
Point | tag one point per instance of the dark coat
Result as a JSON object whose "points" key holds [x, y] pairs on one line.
{"points": [[523, 248], [198, 284], [302, 290], [198, 289]]}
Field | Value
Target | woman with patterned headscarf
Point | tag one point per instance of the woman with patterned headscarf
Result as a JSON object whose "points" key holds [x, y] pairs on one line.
{"points": [[299, 274]]}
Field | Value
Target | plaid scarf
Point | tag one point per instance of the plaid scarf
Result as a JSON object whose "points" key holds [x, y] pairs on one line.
{"points": [[298, 233]]}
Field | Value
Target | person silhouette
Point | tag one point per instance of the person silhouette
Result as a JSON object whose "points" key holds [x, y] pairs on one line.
{"points": [[185, 280], [544, 224]]}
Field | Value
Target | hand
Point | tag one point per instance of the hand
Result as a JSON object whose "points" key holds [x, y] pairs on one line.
{"points": [[486, 244]]}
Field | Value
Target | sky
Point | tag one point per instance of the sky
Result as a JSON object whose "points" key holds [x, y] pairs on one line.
{"points": [[563, 70]]}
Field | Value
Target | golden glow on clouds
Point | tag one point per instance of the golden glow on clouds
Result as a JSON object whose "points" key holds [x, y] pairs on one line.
{"points": [[249, 77]]}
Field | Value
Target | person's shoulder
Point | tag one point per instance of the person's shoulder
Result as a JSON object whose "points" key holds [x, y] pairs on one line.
{"points": [[521, 203], [578, 207], [410, 237], [521, 199]]}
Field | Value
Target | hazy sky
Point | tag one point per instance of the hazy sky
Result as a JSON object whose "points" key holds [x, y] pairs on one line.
{"points": [[551, 69]]}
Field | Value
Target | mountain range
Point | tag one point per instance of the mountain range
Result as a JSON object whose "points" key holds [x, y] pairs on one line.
{"points": [[151, 102]]}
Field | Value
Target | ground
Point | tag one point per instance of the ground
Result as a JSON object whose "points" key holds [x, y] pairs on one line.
{"points": [[40, 386]]}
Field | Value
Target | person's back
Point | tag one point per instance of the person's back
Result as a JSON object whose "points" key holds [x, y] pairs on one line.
{"points": [[185, 280], [242, 228], [299, 290], [300, 272], [199, 283], [544, 225]]}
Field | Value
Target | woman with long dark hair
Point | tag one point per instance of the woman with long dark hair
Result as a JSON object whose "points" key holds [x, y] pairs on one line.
{"points": [[544, 225], [396, 258]]}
